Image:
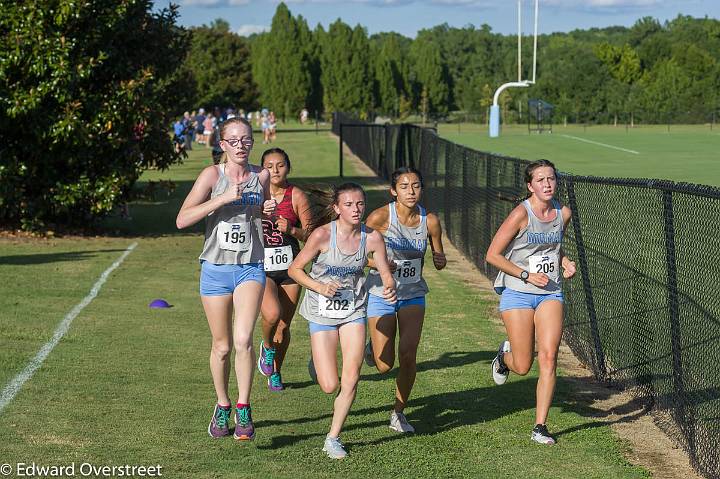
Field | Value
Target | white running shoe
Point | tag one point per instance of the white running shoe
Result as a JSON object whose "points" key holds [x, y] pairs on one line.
{"points": [[541, 435], [334, 448], [311, 370], [500, 374], [399, 423], [369, 356]]}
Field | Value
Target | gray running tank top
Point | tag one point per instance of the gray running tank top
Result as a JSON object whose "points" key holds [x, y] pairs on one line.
{"points": [[233, 232], [406, 246], [348, 271], [535, 249]]}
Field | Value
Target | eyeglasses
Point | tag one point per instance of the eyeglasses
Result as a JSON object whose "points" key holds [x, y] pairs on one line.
{"points": [[244, 141]]}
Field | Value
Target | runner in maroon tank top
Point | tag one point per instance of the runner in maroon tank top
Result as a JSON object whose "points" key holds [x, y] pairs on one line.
{"points": [[283, 232]]}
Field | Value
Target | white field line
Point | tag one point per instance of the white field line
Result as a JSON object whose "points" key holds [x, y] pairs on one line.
{"points": [[13, 387], [602, 144]]}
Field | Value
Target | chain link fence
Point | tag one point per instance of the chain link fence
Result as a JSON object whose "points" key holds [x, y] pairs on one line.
{"points": [[643, 311]]}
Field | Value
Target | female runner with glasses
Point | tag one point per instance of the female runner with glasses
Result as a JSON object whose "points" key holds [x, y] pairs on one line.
{"points": [[231, 197]]}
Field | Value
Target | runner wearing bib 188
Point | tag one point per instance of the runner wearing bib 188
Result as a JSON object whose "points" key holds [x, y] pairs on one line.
{"points": [[335, 298], [282, 233], [527, 249], [231, 197], [406, 227]]}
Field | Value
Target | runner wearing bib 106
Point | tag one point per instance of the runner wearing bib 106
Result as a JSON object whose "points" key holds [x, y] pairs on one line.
{"points": [[527, 249], [231, 197], [282, 233], [335, 298], [406, 227]]}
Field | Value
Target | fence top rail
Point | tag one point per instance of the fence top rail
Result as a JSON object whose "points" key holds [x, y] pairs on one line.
{"points": [[705, 191], [655, 184]]}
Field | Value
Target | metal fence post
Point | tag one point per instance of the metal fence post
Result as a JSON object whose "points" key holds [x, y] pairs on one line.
{"points": [[601, 372], [675, 331], [341, 150]]}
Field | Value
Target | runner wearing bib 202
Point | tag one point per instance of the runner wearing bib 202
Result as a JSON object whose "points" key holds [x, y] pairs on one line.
{"points": [[231, 197], [407, 228], [335, 299], [527, 250], [282, 233]]}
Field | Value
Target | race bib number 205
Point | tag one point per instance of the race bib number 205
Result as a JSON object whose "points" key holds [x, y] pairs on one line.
{"points": [[547, 264]]}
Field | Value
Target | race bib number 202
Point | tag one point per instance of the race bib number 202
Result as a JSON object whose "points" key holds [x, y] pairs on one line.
{"points": [[339, 306]]}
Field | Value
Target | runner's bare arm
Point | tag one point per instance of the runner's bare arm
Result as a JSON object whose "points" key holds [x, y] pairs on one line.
{"points": [[435, 234], [301, 204], [198, 205], [317, 242], [376, 246]]}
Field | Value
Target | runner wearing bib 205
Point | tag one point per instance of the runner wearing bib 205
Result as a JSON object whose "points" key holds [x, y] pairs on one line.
{"points": [[282, 233], [407, 228], [527, 249], [231, 197], [335, 298]]}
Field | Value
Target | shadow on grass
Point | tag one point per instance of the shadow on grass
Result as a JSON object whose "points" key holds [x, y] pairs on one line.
{"points": [[42, 258], [451, 359], [442, 412], [156, 217]]}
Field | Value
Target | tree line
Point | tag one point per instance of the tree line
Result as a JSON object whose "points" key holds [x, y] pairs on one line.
{"points": [[650, 72], [88, 91]]}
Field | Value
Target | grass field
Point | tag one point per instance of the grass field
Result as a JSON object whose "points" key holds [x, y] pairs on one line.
{"points": [[131, 385], [686, 153]]}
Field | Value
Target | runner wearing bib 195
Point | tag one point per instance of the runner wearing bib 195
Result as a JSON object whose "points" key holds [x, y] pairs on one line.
{"points": [[406, 227], [231, 197], [335, 298], [282, 233], [527, 249]]}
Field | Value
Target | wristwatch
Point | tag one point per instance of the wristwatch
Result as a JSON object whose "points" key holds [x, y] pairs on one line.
{"points": [[524, 275]]}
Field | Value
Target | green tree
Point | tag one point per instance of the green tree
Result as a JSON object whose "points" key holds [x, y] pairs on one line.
{"points": [[282, 64], [345, 69], [390, 70], [87, 93], [430, 74], [220, 63]]}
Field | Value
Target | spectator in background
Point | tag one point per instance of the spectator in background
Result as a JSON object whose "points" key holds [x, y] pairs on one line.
{"points": [[208, 129], [304, 116], [187, 132], [265, 125], [272, 127], [179, 135], [200, 126]]}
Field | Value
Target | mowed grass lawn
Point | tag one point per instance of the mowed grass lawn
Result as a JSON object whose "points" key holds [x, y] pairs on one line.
{"points": [[686, 153], [131, 385]]}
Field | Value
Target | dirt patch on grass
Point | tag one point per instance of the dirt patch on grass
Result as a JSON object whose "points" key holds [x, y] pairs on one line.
{"points": [[627, 415]]}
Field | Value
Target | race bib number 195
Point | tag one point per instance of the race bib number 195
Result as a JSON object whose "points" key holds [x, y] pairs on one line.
{"points": [[233, 236]]}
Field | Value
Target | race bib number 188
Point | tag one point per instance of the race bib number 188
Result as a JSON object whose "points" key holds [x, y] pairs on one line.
{"points": [[408, 271]]}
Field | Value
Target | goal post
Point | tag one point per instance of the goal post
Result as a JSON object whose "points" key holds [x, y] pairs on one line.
{"points": [[494, 125]]}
